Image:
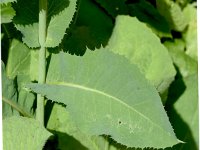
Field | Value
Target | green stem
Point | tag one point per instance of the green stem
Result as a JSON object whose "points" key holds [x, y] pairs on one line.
{"points": [[42, 59]]}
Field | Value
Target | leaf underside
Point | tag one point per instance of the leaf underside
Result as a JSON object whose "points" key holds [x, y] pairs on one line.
{"points": [[117, 101]]}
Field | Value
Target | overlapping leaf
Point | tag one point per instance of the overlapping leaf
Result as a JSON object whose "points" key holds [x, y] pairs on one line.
{"points": [[172, 13], [141, 46], [105, 94], [60, 22], [22, 133]]}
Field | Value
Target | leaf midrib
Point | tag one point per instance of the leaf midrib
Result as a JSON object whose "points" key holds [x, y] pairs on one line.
{"points": [[107, 95], [17, 107]]}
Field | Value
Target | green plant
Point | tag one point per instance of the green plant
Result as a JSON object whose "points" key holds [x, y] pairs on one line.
{"points": [[96, 74]]}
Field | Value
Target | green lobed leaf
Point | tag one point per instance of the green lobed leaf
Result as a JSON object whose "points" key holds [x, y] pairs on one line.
{"points": [[147, 13], [63, 126], [105, 94], [186, 65], [172, 13], [7, 13], [147, 53], [190, 36], [22, 133], [184, 115]]}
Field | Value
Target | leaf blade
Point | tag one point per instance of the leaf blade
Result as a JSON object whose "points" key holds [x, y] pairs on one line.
{"points": [[92, 86]]}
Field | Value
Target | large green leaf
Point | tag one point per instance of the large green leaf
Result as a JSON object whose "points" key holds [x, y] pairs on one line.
{"points": [[190, 36], [184, 114], [172, 13], [7, 13], [141, 46], [63, 126], [26, 20], [22, 133], [105, 94]]}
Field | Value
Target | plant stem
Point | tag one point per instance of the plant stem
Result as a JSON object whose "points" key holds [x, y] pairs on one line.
{"points": [[42, 59]]}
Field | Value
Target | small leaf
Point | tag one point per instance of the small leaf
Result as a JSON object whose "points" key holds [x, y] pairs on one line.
{"points": [[7, 13], [22, 133], [117, 101], [59, 23], [147, 53]]}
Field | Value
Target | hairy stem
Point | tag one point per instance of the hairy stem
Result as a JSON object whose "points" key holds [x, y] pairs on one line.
{"points": [[42, 59]]}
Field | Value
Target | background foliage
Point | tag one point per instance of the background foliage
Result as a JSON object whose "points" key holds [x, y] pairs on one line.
{"points": [[111, 67]]}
